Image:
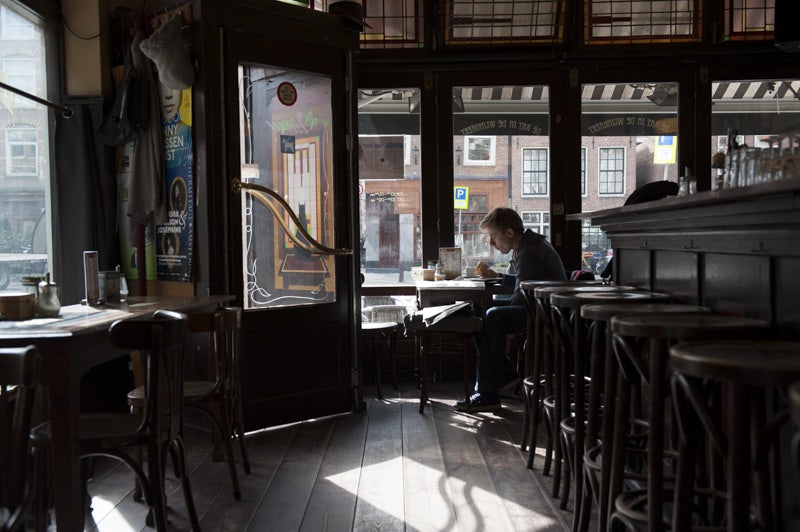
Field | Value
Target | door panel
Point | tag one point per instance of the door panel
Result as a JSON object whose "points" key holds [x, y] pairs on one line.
{"points": [[286, 134]]}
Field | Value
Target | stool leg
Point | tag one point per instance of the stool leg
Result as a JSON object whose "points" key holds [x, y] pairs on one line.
{"points": [[609, 409], [392, 346], [738, 459], [423, 390], [689, 428], [377, 356], [465, 364]]}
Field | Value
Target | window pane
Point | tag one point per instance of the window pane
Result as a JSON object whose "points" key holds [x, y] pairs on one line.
{"points": [[482, 22], [642, 21], [501, 154], [534, 172], [25, 241], [389, 163], [628, 139], [763, 118], [294, 161]]}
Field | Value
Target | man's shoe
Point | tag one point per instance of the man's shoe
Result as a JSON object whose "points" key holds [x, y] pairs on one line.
{"points": [[510, 389], [479, 402]]}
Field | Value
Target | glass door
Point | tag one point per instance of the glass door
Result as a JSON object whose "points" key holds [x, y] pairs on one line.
{"points": [[291, 205]]}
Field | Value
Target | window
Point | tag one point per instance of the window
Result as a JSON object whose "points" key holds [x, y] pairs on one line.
{"points": [[642, 21], [583, 171], [20, 72], [612, 171], [479, 151], [21, 152], [13, 26], [482, 22], [534, 172], [537, 221], [25, 170]]}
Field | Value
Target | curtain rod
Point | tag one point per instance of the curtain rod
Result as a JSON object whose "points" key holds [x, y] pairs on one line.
{"points": [[65, 110]]}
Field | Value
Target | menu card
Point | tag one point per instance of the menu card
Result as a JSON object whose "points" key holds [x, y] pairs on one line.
{"points": [[450, 259]]}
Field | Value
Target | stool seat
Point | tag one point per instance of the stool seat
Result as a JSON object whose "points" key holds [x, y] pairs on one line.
{"points": [[575, 299], [752, 362], [605, 311], [380, 326], [685, 326]]}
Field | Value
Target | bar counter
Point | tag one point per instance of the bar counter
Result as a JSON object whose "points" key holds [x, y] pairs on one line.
{"points": [[736, 251]]}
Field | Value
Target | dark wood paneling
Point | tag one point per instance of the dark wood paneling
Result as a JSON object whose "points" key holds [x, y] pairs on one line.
{"points": [[634, 267], [787, 293], [737, 284], [676, 273]]}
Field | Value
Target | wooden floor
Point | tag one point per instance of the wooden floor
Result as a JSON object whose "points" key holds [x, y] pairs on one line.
{"points": [[387, 468]]}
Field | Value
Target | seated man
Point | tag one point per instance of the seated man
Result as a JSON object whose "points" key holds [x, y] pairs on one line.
{"points": [[533, 258]]}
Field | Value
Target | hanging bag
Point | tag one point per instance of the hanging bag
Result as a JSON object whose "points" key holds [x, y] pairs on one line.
{"points": [[127, 117]]}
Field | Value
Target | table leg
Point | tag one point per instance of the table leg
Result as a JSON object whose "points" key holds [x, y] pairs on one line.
{"points": [[65, 455]]}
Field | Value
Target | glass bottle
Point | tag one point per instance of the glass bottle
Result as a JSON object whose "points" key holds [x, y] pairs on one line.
{"points": [[438, 275]]}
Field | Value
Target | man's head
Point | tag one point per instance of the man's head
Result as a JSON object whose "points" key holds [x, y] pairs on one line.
{"points": [[504, 227]]}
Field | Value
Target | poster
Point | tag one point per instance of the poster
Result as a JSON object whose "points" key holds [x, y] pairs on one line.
{"points": [[174, 239]]}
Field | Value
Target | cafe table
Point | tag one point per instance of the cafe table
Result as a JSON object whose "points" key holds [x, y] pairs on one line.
{"points": [[434, 293], [70, 344]]}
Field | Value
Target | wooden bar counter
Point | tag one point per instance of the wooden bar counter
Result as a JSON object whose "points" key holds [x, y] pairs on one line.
{"points": [[736, 251]]}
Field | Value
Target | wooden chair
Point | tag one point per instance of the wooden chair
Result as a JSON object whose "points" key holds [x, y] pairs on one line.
{"points": [[19, 378], [158, 427], [219, 396]]}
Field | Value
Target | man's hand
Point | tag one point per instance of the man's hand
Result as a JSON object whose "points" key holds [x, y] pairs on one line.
{"points": [[484, 271]]}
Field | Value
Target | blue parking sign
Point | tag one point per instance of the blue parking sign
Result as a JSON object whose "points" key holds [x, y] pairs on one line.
{"points": [[461, 198]]}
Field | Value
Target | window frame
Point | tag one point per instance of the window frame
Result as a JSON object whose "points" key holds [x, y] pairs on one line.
{"points": [[467, 160], [526, 183], [603, 173]]}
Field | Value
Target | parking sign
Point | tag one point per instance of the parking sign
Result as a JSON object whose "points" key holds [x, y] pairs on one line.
{"points": [[461, 198]]}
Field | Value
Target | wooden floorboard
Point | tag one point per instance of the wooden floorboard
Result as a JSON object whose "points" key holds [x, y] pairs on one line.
{"points": [[386, 468]]}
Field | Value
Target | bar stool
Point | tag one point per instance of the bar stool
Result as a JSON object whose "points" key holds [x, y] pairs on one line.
{"points": [[556, 407], [567, 306], [599, 310], [658, 331], [749, 372], [537, 375], [385, 333]]}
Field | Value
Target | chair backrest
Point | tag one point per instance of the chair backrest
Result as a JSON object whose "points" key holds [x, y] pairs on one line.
{"points": [[224, 328], [395, 313], [161, 339], [19, 378]]}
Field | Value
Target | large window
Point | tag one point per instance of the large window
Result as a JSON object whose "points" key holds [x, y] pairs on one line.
{"points": [[25, 241], [534, 172], [389, 169], [628, 139], [611, 174]]}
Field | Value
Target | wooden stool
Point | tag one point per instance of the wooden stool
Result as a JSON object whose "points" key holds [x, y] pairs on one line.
{"points": [[562, 356], [659, 331], [567, 305], [537, 368], [749, 370], [462, 329], [386, 331], [599, 310]]}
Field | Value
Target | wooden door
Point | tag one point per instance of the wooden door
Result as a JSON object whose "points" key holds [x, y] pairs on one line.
{"points": [[286, 120]]}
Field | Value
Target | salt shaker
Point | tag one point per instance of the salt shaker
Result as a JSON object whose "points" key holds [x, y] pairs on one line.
{"points": [[47, 303]]}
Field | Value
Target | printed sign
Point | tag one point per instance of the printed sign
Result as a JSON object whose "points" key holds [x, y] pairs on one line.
{"points": [[461, 198]]}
